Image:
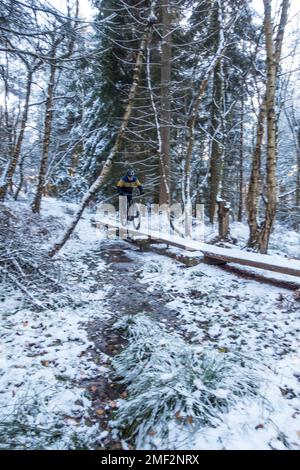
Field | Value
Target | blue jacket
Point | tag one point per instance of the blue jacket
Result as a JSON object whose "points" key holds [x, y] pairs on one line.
{"points": [[125, 186]]}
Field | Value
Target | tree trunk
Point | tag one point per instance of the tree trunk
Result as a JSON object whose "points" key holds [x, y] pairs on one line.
{"points": [[193, 118], [36, 205], [241, 165], [8, 133], [264, 235], [107, 165], [259, 235], [223, 220], [216, 150], [297, 196], [254, 184], [21, 178], [10, 169], [165, 163]]}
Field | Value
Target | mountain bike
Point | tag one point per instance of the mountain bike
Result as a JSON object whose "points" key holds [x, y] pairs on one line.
{"points": [[131, 214]]}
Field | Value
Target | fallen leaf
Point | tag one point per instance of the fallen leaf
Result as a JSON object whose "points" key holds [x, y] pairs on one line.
{"points": [[196, 294], [259, 426], [223, 350], [151, 433], [45, 363], [93, 388], [71, 420], [190, 419], [284, 391], [100, 412], [287, 392], [298, 434], [124, 394]]}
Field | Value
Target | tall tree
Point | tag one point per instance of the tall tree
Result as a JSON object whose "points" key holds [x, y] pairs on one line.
{"points": [[67, 34], [49, 111], [119, 138], [260, 232], [165, 163]]}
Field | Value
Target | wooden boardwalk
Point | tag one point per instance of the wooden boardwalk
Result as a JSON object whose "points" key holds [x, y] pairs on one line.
{"points": [[211, 252]]}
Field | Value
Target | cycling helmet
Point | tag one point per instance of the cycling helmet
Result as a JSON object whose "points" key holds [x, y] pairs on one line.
{"points": [[130, 172]]}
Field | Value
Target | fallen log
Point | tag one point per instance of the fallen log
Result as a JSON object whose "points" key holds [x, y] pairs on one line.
{"points": [[215, 254]]}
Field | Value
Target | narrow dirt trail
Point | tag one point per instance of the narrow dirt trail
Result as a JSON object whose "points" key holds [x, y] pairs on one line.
{"points": [[126, 296], [206, 308]]}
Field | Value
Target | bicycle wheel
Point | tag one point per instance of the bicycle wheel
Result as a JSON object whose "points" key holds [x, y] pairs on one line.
{"points": [[175, 230], [135, 215], [137, 220]]}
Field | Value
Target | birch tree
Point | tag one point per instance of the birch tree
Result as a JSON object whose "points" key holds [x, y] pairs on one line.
{"points": [[108, 163], [260, 232]]}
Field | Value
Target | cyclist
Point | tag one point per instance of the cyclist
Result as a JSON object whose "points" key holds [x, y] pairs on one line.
{"points": [[127, 183], [125, 187]]}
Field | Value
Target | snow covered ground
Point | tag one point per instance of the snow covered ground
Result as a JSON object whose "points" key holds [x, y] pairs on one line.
{"points": [[218, 368], [283, 242], [45, 355], [256, 330]]}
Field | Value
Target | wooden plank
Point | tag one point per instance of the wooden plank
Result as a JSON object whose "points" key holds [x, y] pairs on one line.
{"points": [[286, 267], [220, 255]]}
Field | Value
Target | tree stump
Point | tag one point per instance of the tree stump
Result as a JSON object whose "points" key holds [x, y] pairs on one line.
{"points": [[223, 220]]}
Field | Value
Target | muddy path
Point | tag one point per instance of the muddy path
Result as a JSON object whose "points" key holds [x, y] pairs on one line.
{"points": [[112, 271], [126, 296]]}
